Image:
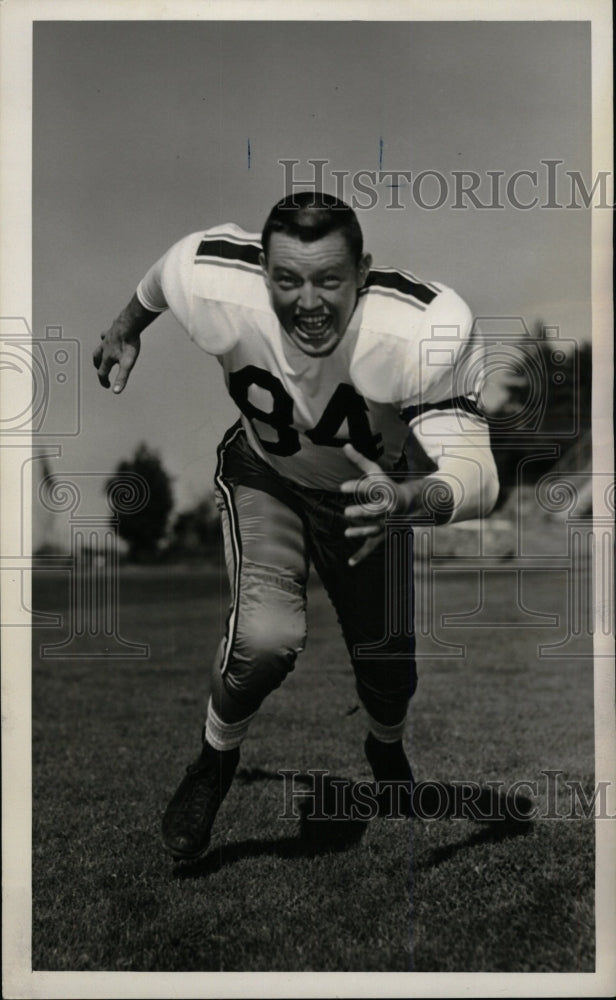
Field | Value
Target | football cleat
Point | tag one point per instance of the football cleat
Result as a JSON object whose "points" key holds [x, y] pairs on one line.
{"points": [[393, 776], [189, 817]]}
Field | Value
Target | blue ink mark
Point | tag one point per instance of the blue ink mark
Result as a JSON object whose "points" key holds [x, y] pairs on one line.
{"points": [[381, 146], [249, 154]]}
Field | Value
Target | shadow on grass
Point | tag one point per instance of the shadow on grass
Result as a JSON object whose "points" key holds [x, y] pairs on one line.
{"points": [[328, 825], [322, 835], [499, 816], [490, 833]]}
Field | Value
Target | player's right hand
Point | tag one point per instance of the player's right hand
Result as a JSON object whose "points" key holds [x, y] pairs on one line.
{"points": [[116, 348]]}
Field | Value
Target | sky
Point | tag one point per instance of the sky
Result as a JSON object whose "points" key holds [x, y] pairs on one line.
{"points": [[142, 133]]}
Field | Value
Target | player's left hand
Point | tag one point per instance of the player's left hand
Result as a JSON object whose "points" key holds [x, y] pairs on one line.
{"points": [[378, 495]]}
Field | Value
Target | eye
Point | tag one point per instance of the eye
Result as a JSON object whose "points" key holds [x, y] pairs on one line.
{"points": [[331, 281], [286, 282]]}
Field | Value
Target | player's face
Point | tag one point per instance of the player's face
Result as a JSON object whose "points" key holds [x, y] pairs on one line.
{"points": [[313, 288]]}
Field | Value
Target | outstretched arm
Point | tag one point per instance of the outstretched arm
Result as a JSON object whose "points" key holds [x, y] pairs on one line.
{"points": [[121, 343], [464, 485]]}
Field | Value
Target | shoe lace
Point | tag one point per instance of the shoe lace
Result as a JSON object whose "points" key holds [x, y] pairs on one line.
{"points": [[202, 796]]}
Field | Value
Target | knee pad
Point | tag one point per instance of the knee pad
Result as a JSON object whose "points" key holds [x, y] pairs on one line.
{"points": [[266, 630]]}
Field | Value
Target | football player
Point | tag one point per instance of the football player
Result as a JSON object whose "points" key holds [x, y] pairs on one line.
{"points": [[332, 363]]}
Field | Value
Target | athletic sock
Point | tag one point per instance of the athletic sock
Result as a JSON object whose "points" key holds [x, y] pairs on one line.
{"points": [[225, 735], [387, 760], [386, 734]]}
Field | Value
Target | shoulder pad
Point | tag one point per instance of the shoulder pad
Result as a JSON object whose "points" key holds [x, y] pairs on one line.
{"points": [[408, 343], [227, 286]]}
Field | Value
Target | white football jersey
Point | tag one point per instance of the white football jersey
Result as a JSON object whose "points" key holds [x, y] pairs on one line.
{"points": [[399, 356]]}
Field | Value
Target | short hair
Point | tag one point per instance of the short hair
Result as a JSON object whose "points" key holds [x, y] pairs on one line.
{"points": [[311, 215]]}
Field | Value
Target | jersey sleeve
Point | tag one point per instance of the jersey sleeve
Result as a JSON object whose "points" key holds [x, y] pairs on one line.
{"points": [[150, 289], [436, 369], [458, 443], [167, 284], [420, 353], [208, 280], [443, 408]]}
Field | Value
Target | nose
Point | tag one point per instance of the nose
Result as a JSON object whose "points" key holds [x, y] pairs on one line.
{"points": [[308, 298]]}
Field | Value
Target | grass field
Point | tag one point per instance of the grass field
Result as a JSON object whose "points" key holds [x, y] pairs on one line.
{"points": [[112, 737]]}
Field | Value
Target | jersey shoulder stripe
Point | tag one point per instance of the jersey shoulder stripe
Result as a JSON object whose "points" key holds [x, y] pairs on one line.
{"points": [[392, 280], [465, 403], [224, 249]]}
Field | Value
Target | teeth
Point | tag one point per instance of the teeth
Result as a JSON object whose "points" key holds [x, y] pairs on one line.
{"points": [[312, 324]]}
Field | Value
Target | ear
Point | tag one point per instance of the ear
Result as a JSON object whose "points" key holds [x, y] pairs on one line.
{"points": [[363, 268], [263, 263]]}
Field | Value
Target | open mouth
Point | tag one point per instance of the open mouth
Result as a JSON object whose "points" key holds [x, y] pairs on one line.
{"points": [[313, 328]]}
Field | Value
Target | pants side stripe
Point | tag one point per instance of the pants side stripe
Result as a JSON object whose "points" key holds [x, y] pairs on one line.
{"points": [[236, 545]]}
